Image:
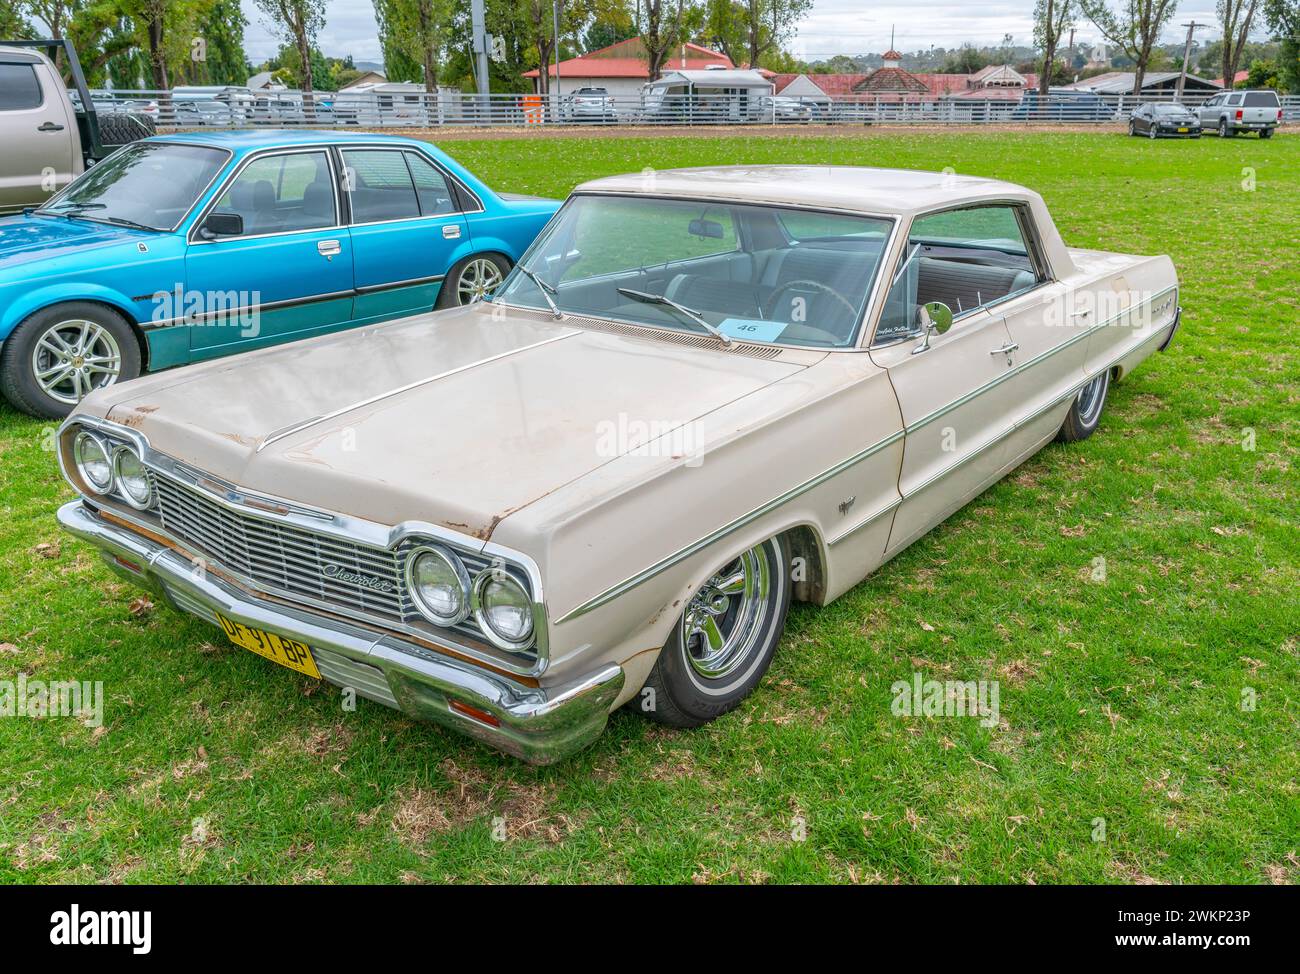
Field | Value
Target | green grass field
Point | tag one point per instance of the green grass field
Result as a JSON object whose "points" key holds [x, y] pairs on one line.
{"points": [[1127, 751]]}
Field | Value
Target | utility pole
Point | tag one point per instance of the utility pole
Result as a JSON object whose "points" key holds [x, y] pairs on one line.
{"points": [[478, 33], [555, 13], [1187, 54]]}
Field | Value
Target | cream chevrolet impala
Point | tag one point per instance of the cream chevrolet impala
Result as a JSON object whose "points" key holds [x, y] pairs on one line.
{"points": [[702, 393]]}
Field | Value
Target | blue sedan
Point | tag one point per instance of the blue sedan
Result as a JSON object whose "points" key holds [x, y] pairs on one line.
{"points": [[183, 248]]}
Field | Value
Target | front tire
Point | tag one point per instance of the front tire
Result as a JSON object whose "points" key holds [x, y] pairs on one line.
{"points": [[724, 640], [1085, 412], [59, 355], [472, 279]]}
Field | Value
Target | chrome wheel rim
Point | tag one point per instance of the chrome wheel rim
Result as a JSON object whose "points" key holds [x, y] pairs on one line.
{"points": [[73, 358], [1090, 399], [477, 280], [724, 621]]}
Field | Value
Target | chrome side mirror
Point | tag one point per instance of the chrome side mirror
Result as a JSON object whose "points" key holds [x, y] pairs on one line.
{"points": [[936, 319]]}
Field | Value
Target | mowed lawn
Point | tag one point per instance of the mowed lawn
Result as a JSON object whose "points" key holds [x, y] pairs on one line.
{"points": [[1150, 721]]}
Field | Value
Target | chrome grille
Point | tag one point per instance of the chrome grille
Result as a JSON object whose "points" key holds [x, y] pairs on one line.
{"points": [[284, 558]]}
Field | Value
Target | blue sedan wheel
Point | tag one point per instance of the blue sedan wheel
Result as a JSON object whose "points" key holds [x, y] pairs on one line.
{"points": [[473, 279], [60, 355]]}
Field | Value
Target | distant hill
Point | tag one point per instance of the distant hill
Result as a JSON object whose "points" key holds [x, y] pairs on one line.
{"points": [[369, 65]]}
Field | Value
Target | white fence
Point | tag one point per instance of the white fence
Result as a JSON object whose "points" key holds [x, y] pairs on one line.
{"points": [[240, 108]]}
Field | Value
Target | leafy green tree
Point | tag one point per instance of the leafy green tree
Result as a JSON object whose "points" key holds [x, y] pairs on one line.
{"points": [[14, 25], [419, 30], [298, 22], [1134, 27], [1235, 18], [1052, 18], [1283, 18], [223, 30]]}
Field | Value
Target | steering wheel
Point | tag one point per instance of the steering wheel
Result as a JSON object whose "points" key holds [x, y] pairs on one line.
{"points": [[817, 285]]}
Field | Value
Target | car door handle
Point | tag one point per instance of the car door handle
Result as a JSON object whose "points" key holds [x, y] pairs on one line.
{"points": [[1006, 349], [328, 248], [451, 231], [49, 127]]}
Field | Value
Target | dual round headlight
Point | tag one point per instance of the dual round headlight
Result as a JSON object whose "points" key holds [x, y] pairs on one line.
{"points": [[442, 591], [94, 462], [103, 467]]}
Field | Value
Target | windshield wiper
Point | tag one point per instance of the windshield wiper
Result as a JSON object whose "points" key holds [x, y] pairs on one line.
{"points": [[646, 298], [72, 209], [124, 222], [546, 289]]}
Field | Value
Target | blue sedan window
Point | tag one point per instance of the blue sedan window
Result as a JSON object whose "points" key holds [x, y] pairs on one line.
{"points": [[282, 193], [435, 195], [379, 186]]}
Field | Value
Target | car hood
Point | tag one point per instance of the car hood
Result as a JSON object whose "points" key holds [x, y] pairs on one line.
{"points": [[26, 238], [458, 418]]}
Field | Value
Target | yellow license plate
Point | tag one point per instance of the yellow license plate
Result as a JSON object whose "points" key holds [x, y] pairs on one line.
{"points": [[278, 649], [1182, 130]]}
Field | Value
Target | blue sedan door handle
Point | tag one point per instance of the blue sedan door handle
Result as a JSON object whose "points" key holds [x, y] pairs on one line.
{"points": [[451, 231], [328, 248]]}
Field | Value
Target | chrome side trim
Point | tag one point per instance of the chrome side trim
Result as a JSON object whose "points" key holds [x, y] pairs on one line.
{"points": [[696, 546], [1043, 356], [246, 309], [866, 522], [394, 285], [280, 434]]}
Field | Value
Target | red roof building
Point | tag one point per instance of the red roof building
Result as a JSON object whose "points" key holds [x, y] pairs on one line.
{"points": [[624, 67]]}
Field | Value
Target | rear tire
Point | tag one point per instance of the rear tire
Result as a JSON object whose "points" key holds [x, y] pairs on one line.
{"points": [[1085, 412], [471, 279], [724, 640], [62, 353], [1224, 131], [1265, 133]]}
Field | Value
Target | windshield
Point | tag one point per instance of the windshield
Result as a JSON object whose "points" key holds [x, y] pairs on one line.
{"points": [[1170, 110], [757, 273], [150, 184]]}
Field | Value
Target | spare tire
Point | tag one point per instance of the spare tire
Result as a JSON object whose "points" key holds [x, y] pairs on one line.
{"points": [[119, 128]]}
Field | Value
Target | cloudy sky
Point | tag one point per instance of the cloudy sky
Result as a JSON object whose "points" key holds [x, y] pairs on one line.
{"points": [[834, 27]]}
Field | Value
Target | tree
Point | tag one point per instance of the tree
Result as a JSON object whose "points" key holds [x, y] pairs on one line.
{"points": [[223, 31], [13, 25], [1234, 20], [298, 21], [1283, 18], [418, 29], [1051, 20], [662, 26], [1134, 28]]}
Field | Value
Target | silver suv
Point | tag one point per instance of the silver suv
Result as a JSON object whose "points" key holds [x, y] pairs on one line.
{"points": [[1230, 112]]}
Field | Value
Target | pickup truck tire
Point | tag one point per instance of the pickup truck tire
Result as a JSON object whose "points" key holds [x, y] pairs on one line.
{"points": [[1225, 132], [1265, 133], [94, 345], [472, 278], [742, 608], [1085, 412], [120, 128]]}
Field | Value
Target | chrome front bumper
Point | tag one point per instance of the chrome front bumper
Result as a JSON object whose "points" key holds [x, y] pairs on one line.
{"points": [[539, 725]]}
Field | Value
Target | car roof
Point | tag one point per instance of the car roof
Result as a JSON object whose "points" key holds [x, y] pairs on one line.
{"points": [[240, 142], [854, 188]]}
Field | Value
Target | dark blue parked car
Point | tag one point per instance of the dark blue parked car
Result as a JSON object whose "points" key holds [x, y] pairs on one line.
{"points": [[186, 247]]}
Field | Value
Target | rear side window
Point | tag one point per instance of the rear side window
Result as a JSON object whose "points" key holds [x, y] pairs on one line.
{"points": [[379, 186], [435, 195], [19, 89], [1262, 99]]}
